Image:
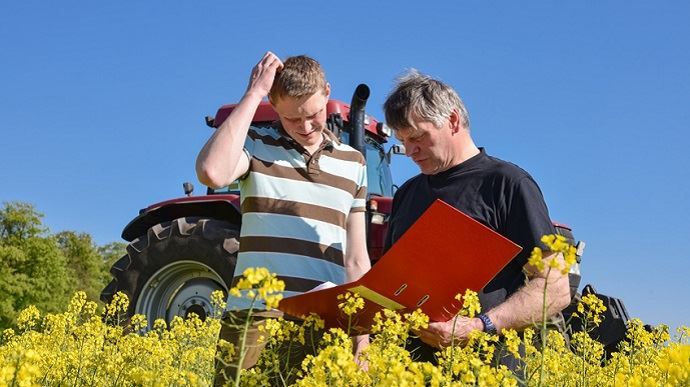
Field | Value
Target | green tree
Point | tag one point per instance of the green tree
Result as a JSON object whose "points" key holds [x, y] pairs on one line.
{"points": [[37, 268], [33, 269], [19, 221], [84, 262], [110, 253]]}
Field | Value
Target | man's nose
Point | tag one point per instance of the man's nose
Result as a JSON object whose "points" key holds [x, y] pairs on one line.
{"points": [[410, 149], [306, 125]]}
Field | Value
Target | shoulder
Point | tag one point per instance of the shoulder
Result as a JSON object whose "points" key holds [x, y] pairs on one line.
{"points": [[409, 185], [259, 132], [505, 170], [345, 152], [516, 185], [267, 140]]}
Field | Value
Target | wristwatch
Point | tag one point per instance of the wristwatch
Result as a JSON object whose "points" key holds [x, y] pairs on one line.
{"points": [[489, 326]]}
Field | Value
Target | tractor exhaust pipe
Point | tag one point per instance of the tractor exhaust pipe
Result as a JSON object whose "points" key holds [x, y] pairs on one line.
{"points": [[359, 101]]}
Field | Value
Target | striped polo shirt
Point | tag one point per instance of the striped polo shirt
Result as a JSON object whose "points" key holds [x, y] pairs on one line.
{"points": [[294, 209]]}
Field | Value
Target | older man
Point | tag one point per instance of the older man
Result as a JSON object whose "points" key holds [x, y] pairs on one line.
{"points": [[431, 121]]}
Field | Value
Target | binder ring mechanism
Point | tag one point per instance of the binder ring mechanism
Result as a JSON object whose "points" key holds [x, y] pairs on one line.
{"points": [[423, 300], [402, 289]]}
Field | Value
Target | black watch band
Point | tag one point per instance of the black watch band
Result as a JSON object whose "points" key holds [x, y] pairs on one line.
{"points": [[489, 326]]}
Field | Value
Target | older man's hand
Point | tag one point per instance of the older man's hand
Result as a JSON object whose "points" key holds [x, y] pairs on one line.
{"points": [[443, 334]]}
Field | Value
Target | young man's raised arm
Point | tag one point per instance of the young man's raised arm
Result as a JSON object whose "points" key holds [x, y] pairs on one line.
{"points": [[221, 160]]}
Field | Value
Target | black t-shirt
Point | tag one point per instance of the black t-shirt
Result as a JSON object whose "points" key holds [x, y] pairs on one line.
{"points": [[496, 193]]}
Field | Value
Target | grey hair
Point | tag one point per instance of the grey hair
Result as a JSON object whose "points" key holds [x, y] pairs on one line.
{"points": [[424, 98]]}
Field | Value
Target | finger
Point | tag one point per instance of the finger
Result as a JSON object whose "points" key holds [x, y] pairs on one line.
{"points": [[263, 59], [280, 63], [275, 65], [270, 58], [274, 62]]}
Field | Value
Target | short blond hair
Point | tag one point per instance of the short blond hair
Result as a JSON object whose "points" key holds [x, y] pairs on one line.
{"points": [[300, 76], [420, 96]]}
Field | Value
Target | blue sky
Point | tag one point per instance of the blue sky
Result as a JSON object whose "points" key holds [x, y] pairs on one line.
{"points": [[102, 107]]}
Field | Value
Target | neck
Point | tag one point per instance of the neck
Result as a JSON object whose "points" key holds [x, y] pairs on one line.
{"points": [[466, 152], [313, 148], [462, 152]]}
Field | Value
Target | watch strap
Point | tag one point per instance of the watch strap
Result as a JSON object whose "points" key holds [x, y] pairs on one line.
{"points": [[489, 326]]}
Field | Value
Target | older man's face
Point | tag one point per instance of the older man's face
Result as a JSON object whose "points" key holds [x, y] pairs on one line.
{"points": [[433, 149]]}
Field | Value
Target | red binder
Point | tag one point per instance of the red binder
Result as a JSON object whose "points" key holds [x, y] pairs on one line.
{"points": [[444, 253]]}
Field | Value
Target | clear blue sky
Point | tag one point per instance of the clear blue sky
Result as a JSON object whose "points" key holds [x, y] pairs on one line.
{"points": [[102, 106]]}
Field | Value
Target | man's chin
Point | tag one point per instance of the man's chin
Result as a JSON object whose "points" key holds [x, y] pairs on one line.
{"points": [[429, 170], [313, 138]]}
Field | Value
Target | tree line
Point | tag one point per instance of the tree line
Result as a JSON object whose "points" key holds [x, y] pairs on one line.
{"points": [[44, 269]]}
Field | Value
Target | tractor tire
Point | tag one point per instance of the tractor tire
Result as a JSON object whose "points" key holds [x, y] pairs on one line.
{"points": [[173, 269]]}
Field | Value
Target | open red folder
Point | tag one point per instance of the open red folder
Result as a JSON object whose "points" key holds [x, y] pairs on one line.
{"points": [[444, 253]]}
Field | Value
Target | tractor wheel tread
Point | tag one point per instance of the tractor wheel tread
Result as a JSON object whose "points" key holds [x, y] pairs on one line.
{"points": [[212, 243]]}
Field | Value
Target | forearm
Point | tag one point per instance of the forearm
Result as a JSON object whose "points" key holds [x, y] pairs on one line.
{"points": [[218, 161], [356, 260], [359, 344], [355, 267], [526, 306]]}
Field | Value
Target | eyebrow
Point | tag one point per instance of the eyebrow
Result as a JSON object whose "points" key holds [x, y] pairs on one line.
{"points": [[307, 115], [413, 135]]}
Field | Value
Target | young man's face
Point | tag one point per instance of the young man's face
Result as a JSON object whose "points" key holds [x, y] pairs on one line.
{"points": [[431, 148], [304, 119]]}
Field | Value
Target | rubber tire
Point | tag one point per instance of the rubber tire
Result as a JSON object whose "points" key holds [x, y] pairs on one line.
{"points": [[213, 243]]}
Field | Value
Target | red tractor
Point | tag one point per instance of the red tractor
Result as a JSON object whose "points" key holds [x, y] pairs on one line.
{"points": [[183, 249]]}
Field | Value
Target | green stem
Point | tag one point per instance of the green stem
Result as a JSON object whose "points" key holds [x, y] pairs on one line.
{"points": [[349, 324], [452, 349], [584, 357], [243, 341], [543, 327]]}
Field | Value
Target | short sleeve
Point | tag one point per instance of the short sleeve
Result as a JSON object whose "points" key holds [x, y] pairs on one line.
{"points": [[249, 144], [360, 194], [528, 217], [250, 141]]}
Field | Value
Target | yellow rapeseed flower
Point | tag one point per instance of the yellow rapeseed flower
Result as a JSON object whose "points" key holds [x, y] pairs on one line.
{"points": [[536, 259], [28, 318], [77, 347], [351, 303], [259, 285], [591, 308], [470, 304]]}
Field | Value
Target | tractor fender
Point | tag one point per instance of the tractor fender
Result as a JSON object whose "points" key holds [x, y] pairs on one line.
{"points": [[220, 207]]}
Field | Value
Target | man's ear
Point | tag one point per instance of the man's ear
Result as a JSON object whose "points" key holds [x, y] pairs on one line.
{"points": [[454, 121], [327, 90]]}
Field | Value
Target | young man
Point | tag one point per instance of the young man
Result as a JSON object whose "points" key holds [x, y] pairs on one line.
{"points": [[302, 191], [431, 121]]}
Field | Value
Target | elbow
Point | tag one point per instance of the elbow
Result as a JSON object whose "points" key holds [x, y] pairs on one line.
{"points": [[561, 294], [209, 177], [557, 295], [356, 268]]}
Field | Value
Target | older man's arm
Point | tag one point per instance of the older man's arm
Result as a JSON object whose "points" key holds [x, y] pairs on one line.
{"points": [[523, 308], [526, 306]]}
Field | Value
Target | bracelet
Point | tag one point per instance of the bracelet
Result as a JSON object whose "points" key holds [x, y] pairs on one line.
{"points": [[489, 326]]}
